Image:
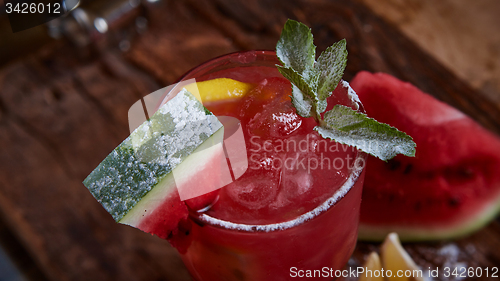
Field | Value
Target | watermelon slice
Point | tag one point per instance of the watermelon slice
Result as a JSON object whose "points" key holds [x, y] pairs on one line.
{"points": [[451, 187], [135, 183]]}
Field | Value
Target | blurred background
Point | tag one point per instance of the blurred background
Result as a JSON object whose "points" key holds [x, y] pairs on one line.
{"points": [[66, 87]]}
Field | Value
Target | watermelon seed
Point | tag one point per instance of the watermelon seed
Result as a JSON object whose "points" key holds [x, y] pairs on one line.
{"points": [[408, 169], [393, 164], [238, 274], [466, 172], [418, 206], [199, 223], [391, 197], [454, 202]]}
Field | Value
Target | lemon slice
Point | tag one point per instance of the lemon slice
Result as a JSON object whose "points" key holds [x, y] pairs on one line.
{"points": [[398, 261], [220, 89], [373, 264]]}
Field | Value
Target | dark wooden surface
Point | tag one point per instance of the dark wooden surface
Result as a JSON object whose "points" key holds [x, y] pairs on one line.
{"points": [[63, 109]]}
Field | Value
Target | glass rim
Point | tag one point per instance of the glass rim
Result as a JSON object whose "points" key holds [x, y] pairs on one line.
{"points": [[340, 193], [224, 57], [171, 92]]}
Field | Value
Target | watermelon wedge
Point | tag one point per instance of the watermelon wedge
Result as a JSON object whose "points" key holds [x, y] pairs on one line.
{"points": [[135, 183], [451, 187]]}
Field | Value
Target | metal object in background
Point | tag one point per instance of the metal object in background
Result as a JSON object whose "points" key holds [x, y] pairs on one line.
{"points": [[87, 22], [91, 20]]}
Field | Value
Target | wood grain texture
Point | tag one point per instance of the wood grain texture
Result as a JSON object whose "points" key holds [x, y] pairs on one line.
{"points": [[62, 110], [462, 35]]}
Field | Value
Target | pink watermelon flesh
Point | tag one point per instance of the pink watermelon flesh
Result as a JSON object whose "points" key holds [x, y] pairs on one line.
{"points": [[136, 182], [170, 220], [165, 218], [449, 189]]}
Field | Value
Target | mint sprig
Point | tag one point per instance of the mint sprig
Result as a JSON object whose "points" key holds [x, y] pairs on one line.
{"points": [[314, 81], [350, 127]]}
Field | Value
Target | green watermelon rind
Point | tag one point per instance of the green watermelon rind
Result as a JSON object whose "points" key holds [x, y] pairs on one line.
{"points": [[377, 233], [145, 160], [164, 189]]}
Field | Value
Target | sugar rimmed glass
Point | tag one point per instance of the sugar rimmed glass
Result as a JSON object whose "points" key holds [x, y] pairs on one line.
{"points": [[320, 240]]}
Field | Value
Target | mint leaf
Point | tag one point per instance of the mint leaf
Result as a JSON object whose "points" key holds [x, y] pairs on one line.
{"points": [[296, 51], [347, 126], [295, 48], [299, 66], [313, 82], [299, 81], [330, 67], [302, 104], [304, 92]]}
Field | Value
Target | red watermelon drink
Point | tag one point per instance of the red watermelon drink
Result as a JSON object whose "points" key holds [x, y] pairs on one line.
{"points": [[288, 205], [296, 207]]}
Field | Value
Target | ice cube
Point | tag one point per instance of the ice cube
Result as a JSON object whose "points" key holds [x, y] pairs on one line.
{"points": [[253, 192]]}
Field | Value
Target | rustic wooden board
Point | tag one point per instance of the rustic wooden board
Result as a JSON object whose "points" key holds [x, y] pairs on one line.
{"points": [[62, 110], [452, 31]]}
